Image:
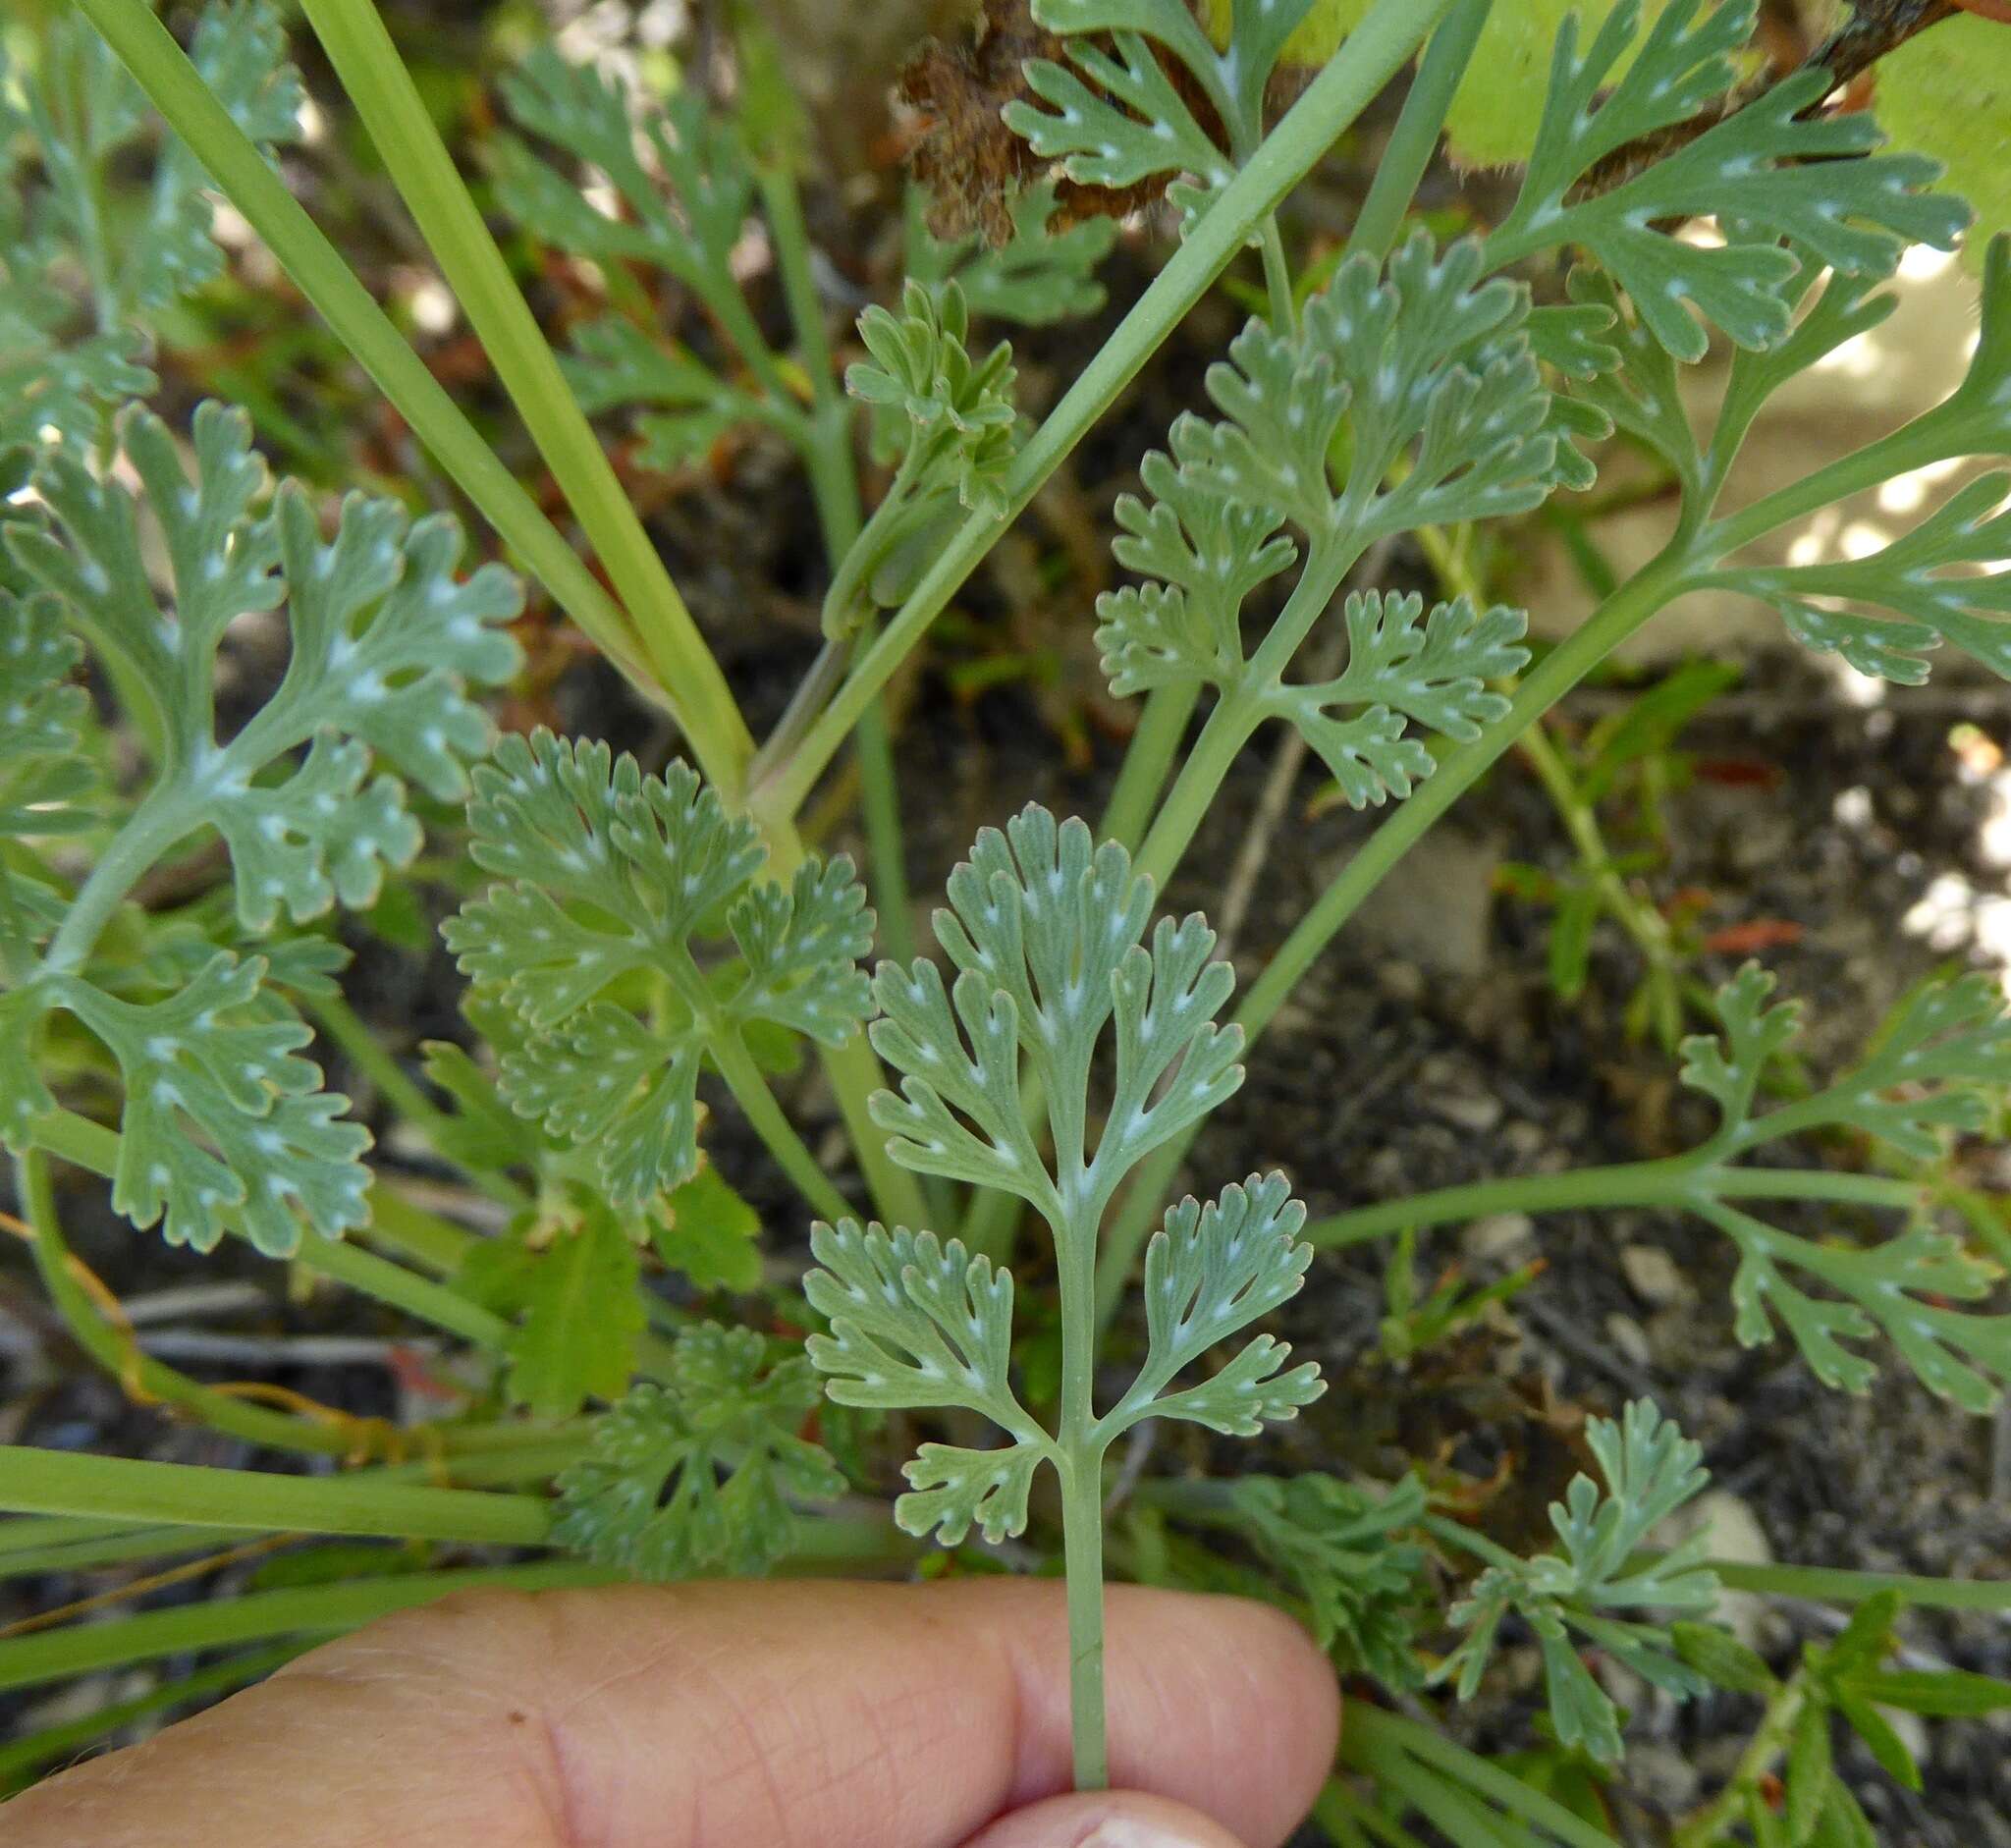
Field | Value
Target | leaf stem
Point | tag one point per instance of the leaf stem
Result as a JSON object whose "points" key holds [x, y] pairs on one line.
{"points": [[1372, 55], [1764, 1751], [384, 96], [1416, 136], [1148, 757], [1676, 1183], [750, 1091], [1659, 581], [315, 1610], [118, 1488]]}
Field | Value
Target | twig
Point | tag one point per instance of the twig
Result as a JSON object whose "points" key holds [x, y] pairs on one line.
{"points": [[1875, 28]]}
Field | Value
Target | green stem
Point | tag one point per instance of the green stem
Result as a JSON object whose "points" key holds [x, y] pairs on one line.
{"points": [[384, 94], [1278, 278], [91, 1146], [1829, 1584], [750, 1091], [161, 67], [1416, 136], [117, 1488], [409, 1231], [161, 819], [118, 1545], [1561, 669], [1675, 1183], [1349, 83], [1241, 709], [315, 1610], [1079, 1461], [1082, 1544], [1148, 757], [1764, 1751]]}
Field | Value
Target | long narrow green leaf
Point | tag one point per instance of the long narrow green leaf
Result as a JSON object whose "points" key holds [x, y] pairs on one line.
{"points": [[117, 1488], [149, 50], [314, 1611], [354, 34]]}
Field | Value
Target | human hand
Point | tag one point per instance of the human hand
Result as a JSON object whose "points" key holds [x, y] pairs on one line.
{"points": [[733, 1716]]}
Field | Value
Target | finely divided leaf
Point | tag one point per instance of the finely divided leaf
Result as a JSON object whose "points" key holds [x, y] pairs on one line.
{"points": [[696, 1475], [1650, 1470], [1042, 274], [1939, 1062], [1435, 675], [384, 639], [1768, 171], [45, 779], [915, 1322], [62, 366], [651, 154], [223, 1119], [1116, 116], [618, 879], [958, 413], [1935, 582], [1335, 1546], [1045, 929]]}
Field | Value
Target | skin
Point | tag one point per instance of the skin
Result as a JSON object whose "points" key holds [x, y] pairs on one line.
{"points": [[782, 1715]]}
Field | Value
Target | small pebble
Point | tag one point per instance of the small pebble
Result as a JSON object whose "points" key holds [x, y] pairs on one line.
{"points": [[1631, 1339], [1499, 1237], [1652, 1275]]}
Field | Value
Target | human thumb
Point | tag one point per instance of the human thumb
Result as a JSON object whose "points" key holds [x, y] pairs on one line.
{"points": [[1109, 1819]]}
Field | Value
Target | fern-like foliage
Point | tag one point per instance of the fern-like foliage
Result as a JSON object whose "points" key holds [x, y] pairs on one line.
{"points": [[669, 185], [1047, 935], [1406, 398], [224, 1123], [1943, 582], [80, 265], [1771, 171], [1939, 1060], [1650, 1471], [616, 884], [1042, 274], [1336, 1546], [957, 410], [46, 779], [697, 1474], [1113, 115]]}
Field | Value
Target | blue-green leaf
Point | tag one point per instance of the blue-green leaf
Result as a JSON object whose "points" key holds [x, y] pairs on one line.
{"points": [[697, 1475], [224, 1120], [1650, 1471], [615, 878], [1773, 169]]}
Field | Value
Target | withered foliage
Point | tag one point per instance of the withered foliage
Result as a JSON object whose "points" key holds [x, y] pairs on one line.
{"points": [[960, 148]]}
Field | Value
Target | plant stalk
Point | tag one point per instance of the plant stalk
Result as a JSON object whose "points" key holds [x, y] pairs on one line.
{"points": [[384, 96], [1372, 55], [1664, 578], [161, 67]]}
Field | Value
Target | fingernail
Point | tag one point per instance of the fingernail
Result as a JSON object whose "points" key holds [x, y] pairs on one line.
{"points": [[1126, 1831]]}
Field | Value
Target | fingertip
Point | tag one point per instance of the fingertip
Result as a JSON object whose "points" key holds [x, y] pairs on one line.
{"points": [[1111, 1818], [1222, 1704]]}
